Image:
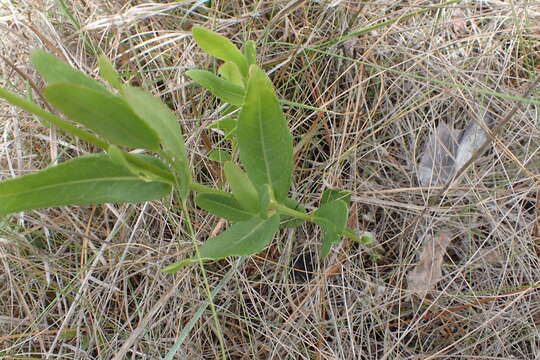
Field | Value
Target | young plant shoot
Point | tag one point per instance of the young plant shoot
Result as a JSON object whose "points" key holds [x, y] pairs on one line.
{"points": [[258, 203]]}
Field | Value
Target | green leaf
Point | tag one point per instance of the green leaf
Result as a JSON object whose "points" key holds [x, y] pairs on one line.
{"points": [[221, 88], [54, 70], [87, 180], [108, 115], [220, 156], [264, 139], [177, 266], [265, 195], [66, 126], [250, 52], [152, 165], [290, 221], [229, 71], [220, 47], [331, 195], [107, 72], [229, 109], [241, 187], [228, 126], [332, 218], [119, 157], [223, 205], [242, 239], [163, 121]]}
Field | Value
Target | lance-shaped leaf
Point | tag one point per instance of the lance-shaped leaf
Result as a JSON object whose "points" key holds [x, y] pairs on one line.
{"points": [[265, 195], [242, 239], [242, 188], [108, 115], [218, 155], [264, 138], [332, 218], [220, 47], [332, 194], [177, 266], [250, 52], [229, 71], [163, 121], [223, 205], [221, 88], [87, 180], [54, 70], [227, 125], [141, 168], [66, 126], [107, 72]]}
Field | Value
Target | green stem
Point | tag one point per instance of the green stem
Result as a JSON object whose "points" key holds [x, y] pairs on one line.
{"points": [[32, 108], [351, 234], [274, 205], [213, 310], [347, 232]]}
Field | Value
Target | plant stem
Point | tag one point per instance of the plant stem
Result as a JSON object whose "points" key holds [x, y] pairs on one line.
{"points": [[348, 232], [200, 311], [291, 212], [191, 232]]}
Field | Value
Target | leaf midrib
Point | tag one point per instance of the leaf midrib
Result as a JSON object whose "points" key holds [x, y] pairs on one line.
{"points": [[69, 183], [263, 144], [229, 207], [254, 229]]}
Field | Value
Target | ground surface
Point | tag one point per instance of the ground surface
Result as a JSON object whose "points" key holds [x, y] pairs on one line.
{"points": [[84, 282]]}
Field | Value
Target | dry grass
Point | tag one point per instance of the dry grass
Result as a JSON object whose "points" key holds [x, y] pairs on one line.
{"points": [[84, 282]]}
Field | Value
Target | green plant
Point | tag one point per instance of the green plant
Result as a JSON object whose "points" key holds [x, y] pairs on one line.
{"points": [[258, 201]]}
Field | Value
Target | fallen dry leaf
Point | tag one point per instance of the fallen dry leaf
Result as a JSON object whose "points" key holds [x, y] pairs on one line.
{"points": [[459, 25], [472, 139], [447, 150], [427, 272], [437, 163]]}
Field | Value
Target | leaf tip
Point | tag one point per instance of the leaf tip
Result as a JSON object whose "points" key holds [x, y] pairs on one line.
{"points": [[177, 266]]}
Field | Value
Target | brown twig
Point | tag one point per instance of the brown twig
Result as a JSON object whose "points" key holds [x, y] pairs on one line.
{"points": [[26, 78]]}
